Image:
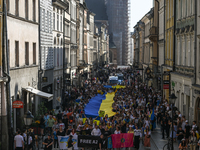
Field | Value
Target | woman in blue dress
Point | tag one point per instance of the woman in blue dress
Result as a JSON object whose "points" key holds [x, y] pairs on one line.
{"points": [[174, 131]]}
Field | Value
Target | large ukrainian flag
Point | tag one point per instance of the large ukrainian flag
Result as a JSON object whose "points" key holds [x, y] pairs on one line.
{"points": [[100, 102]]}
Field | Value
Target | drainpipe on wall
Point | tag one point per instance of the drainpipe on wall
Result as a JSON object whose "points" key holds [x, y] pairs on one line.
{"points": [[195, 43], [40, 72], [63, 90], [174, 40], [164, 32], [158, 40], [5, 101], [162, 80]]}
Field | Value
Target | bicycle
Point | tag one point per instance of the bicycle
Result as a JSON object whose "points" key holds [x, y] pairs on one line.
{"points": [[168, 146]]}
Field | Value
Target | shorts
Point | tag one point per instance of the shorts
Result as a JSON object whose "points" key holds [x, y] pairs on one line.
{"points": [[18, 148]]}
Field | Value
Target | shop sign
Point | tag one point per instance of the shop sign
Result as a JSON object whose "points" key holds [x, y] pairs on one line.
{"points": [[17, 104], [166, 86], [166, 82]]}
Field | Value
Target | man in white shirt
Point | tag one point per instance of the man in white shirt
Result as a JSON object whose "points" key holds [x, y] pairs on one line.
{"points": [[19, 141], [96, 131]]}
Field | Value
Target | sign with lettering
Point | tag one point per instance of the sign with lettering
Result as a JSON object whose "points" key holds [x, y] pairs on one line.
{"points": [[88, 141], [17, 104]]}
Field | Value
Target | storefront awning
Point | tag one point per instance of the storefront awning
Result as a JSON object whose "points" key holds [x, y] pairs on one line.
{"points": [[39, 93]]}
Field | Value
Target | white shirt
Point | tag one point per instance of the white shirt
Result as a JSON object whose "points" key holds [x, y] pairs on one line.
{"points": [[96, 132], [19, 140], [180, 115], [117, 132], [147, 122], [30, 140], [149, 133], [137, 132]]}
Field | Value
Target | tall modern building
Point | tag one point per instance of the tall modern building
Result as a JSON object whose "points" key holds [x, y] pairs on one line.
{"points": [[116, 12], [118, 19]]}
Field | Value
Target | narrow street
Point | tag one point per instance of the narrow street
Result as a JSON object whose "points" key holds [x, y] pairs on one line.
{"points": [[99, 74]]}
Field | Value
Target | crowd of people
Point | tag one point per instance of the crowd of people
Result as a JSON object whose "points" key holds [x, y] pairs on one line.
{"points": [[138, 109]]}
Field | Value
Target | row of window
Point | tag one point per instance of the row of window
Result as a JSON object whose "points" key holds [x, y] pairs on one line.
{"points": [[19, 4], [27, 53], [57, 20], [58, 54], [185, 50], [46, 21], [185, 8], [73, 11]]}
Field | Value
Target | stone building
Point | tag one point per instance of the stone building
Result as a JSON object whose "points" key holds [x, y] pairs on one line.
{"points": [[46, 49], [196, 85], [23, 46], [59, 8], [73, 51], [184, 75]]}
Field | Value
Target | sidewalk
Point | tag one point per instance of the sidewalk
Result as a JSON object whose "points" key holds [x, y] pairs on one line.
{"points": [[156, 136]]}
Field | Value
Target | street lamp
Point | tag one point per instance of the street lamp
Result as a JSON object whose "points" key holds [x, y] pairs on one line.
{"points": [[28, 118], [172, 100]]}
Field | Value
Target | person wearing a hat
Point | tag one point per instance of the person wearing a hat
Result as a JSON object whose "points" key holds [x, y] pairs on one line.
{"points": [[183, 145], [48, 142]]}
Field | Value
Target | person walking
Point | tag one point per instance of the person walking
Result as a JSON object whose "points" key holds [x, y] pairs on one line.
{"points": [[96, 131], [147, 137], [138, 136], [48, 142], [46, 117], [193, 141], [180, 135], [183, 145], [42, 125], [163, 126], [50, 124], [55, 138], [70, 143], [117, 131], [19, 141]]}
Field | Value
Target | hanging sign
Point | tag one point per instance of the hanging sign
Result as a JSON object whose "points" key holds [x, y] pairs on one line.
{"points": [[17, 104]]}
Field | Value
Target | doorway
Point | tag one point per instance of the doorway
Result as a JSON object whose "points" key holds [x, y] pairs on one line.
{"points": [[197, 112]]}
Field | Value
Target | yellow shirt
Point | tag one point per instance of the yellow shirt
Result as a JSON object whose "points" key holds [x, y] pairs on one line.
{"points": [[109, 127], [99, 91], [130, 131]]}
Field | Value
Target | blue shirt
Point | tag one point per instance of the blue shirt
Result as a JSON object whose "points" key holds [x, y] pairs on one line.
{"points": [[55, 137], [46, 119]]}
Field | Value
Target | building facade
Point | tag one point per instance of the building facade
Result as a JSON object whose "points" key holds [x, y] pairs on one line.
{"points": [[183, 76], [118, 18], [146, 46], [59, 8], [23, 58], [196, 85], [73, 52], [46, 49]]}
